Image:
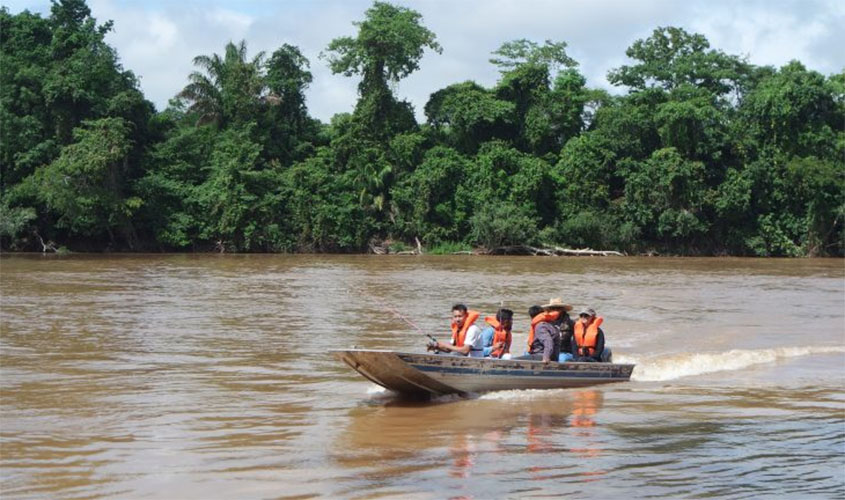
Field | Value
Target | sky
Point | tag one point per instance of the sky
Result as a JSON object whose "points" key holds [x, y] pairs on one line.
{"points": [[158, 39]]}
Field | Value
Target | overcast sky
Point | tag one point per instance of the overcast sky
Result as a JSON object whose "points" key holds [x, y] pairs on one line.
{"points": [[157, 39]]}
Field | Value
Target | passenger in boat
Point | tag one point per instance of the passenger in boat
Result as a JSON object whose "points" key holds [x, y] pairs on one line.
{"points": [[543, 317], [499, 334], [545, 341], [588, 338], [564, 323], [466, 336]]}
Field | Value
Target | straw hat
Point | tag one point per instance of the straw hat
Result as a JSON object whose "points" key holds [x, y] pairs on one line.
{"points": [[557, 303]]}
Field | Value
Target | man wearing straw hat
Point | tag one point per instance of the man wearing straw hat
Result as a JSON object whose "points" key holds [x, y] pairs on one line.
{"points": [[564, 324], [544, 338]]}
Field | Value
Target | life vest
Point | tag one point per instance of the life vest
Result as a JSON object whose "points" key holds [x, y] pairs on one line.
{"points": [[586, 340], [458, 336], [499, 335], [543, 317]]}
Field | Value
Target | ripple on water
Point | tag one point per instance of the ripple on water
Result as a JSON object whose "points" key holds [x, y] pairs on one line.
{"points": [[207, 377]]}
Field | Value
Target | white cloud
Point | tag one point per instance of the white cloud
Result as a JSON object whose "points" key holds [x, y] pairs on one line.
{"points": [[163, 32], [158, 39], [229, 19], [774, 37]]}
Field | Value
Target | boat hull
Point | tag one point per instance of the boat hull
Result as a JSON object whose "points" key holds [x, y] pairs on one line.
{"points": [[436, 374]]}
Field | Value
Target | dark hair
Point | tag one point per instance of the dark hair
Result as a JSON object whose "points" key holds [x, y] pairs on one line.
{"points": [[504, 315], [459, 307], [534, 310]]}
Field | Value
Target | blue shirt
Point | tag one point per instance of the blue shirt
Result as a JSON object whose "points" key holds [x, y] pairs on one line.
{"points": [[487, 340]]}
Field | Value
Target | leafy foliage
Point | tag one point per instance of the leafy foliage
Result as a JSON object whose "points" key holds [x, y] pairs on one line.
{"points": [[703, 153]]}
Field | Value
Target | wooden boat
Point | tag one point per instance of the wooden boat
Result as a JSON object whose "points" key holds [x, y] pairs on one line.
{"points": [[422, 374]]}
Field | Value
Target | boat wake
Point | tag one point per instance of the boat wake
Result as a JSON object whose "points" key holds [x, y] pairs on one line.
{"points": [[379, 395], [377, 391], [685, 365], [524, 394]]}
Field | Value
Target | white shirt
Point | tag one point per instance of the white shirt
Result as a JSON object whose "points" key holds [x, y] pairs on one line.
{"points": [[475, 342]]}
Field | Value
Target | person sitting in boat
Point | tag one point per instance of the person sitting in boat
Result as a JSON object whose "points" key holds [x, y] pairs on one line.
{"points": [[564, 323], [588, 338], [497, 336], [545, 343], [466, 336]]}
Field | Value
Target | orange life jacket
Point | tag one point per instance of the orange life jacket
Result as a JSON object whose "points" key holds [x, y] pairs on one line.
{"points": [[586, 340], [543, 317], [499, 335], [458, 336]]}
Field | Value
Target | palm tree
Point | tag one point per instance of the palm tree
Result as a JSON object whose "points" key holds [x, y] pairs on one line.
{"points": [[228, 89]]}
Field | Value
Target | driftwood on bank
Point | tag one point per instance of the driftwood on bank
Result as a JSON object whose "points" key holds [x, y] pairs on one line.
{"points": [[382, 248], [45, 246], [552, 251], [378, 249]]}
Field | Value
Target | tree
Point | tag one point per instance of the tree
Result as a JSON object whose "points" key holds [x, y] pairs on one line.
{"points": [[426, 202], [544, 117], [61, 87], [229, 89], [665, 197], [287, 129], [468, 115], [56, 73], [173, 215], [671, 57], [551, 55], [795, 111], [500, 224], [694, 123], [85, 187], [27, 126], [322, 208], [388, 47]]}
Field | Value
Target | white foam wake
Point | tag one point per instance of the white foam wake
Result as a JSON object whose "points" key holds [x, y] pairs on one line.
{"points": [[376, 389], [688, 364], [521, 394]]}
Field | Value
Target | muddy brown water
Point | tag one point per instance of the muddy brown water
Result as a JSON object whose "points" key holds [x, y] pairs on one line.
{"points": [[206, 376]]}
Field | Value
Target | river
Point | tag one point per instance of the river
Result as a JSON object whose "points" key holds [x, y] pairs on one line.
{"points": [[206, 376]]}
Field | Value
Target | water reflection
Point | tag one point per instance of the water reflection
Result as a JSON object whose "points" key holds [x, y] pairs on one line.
{"points": [[473, 436]]}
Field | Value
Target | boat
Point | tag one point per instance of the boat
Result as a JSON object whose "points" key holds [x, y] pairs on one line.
{"points": [[426, 374]]}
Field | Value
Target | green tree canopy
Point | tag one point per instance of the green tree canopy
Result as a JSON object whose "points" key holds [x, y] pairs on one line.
{"points": [[551, 55], [389, 45]]}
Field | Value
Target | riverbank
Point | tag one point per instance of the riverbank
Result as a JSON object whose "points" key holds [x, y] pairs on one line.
{"points": [[393, 249]]}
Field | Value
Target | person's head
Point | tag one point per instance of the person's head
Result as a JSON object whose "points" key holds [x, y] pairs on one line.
{"points": [[459, 314], [505, 318], [534, 310], [586, 315]]}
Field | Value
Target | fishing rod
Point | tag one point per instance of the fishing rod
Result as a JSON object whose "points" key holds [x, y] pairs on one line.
{"points": [[399, 315], [408, 321]]}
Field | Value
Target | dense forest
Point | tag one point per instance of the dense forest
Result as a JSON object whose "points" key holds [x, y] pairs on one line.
{"points": [[700, 153]]}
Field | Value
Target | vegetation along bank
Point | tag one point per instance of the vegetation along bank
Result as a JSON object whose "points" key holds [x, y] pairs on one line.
{"points": [[701, 153]]}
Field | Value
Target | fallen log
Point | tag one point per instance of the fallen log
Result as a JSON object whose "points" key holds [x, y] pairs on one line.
{"points": [[588, 252], [553, 251], [45, 246]]}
